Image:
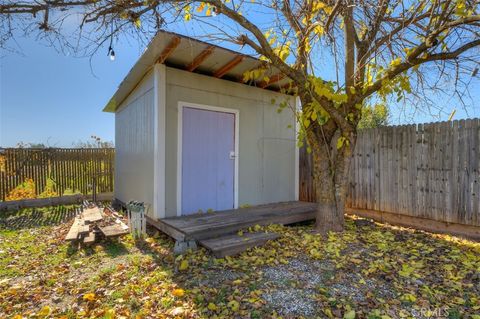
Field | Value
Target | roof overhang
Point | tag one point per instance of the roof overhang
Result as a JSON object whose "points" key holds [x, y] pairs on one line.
{"points": [[197, 56]]}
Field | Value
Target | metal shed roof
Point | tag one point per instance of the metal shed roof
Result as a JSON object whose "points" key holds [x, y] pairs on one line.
{"points": [[182, 52]]}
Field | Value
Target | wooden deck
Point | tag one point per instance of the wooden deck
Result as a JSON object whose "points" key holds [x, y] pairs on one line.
{"points": [[210, 228]]}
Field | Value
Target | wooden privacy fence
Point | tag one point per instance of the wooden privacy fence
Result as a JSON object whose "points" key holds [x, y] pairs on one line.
{"points": [[429, 171], [76, 170]]}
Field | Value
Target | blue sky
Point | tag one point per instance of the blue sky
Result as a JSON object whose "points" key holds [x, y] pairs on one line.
{"points": [[48, 97]]}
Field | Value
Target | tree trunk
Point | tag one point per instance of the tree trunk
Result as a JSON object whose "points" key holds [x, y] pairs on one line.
{"points": [[330, 178]]}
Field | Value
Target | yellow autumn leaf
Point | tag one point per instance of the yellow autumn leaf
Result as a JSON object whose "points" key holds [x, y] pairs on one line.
{"points": [[211, 306], [138, 23], [319, 30], [89, 296], [178, 292], [109, 314], [328, 312], [183, 265], [201, 7], [234, 305], [395, 62], [46, 311], [318, 6], [306, 123], [409, 298], [328, 10], [349, 315], [340, 142]]}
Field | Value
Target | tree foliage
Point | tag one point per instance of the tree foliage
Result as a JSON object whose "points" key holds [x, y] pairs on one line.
{"points": [[374, 116]]}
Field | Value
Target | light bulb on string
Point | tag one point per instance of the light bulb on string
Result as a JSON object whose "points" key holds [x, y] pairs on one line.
{"points": [[111, 54]]}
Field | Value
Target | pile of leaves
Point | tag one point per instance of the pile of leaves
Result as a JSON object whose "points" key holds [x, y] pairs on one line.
{"points": [[27, 190], [368, 271]]}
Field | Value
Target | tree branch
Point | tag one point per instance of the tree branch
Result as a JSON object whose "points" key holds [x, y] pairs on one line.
{"points": [[414, 60]]}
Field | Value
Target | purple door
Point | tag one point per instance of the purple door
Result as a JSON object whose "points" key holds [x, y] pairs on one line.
{"points": [[208, 161]]}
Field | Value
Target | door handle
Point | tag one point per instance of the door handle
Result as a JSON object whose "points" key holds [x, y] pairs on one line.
{"points": [[232, 155]]}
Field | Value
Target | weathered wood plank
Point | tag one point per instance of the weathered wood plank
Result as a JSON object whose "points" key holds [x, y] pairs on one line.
{"points": [[92, 215], [51, 201], [269, 212], [89, 238], [165, 228], [427, 170], [113, 230], [74, 230], [203, 226], [234, 244], [468, 231]]}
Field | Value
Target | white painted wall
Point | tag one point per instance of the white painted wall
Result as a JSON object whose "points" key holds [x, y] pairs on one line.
{"points": [[134, 144]]}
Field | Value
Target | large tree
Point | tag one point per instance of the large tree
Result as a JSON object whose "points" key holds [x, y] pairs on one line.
{"points": [[378, 49]]}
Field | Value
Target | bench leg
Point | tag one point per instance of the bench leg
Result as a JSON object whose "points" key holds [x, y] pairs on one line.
{"points": [[182, 246]]}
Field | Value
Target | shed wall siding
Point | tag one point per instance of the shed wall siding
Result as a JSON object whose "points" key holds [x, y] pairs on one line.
{"points": [[134, 143], [267, 145]]}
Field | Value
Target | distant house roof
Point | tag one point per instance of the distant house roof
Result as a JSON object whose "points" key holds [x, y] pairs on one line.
{"points": [[182, 52]]}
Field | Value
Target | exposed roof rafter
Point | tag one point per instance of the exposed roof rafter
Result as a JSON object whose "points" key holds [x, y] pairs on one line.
{"points": [[227, 67], [200, 58], [169, 49], [289, 87], [274, 79]]}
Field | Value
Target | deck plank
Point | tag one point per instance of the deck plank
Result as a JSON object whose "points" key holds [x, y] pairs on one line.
{"points": [[167, 229], [208, 225], [230, 217], [205, 220], [235, 244]]}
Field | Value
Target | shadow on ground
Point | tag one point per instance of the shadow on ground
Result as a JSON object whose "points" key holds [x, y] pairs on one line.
{"points": [[37, 217]]}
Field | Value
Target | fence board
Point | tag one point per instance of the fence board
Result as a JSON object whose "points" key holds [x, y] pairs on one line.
{"points": [[72, 169], [425, 171]]}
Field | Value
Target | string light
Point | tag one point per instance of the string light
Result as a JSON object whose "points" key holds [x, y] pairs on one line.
{"points": [[111, 53]]}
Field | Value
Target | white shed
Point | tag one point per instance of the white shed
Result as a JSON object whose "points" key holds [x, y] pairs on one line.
{"points": [[191, 136]]}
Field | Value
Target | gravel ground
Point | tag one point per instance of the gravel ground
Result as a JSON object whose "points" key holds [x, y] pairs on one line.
{"points": [[291, 289], [292, 302]]}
